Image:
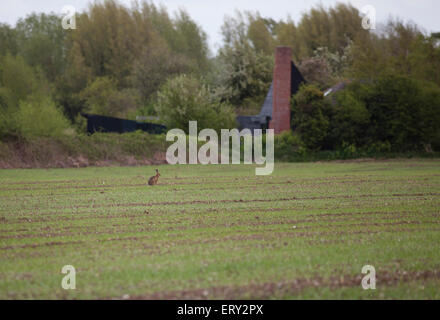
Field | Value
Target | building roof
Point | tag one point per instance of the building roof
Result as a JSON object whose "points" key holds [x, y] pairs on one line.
{"points": [[266, 110], [296, 79]]}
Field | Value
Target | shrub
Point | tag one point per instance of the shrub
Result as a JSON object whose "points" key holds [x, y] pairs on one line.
{"points": [[310, 116], [21, 80], [18, 82], [103, 97], [386, 114], [8, 124], [403, 111], [287, 145], [430, 117], [349, 121], [40, 117], [184, 98]]}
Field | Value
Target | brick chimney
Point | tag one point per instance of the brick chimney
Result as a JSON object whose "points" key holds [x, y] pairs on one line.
{"points": [[281, 90]]}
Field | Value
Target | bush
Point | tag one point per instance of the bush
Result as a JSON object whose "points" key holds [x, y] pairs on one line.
{"points": [[40, 118], [288, 146], [403, 111], [430, 118], [310, 116], [103, 97], [184, 98], [349, 121], [383, 115], [18, 82], [8, 124]]}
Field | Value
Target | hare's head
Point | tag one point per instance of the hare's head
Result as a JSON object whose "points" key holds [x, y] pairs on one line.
{"points": [[157, 173]]}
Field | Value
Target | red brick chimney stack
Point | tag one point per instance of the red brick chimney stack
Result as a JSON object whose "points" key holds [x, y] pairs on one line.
{"points": [[281, 90]]}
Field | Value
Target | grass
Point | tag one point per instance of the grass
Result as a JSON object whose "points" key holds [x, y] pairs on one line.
{"points": [[306, 231]]}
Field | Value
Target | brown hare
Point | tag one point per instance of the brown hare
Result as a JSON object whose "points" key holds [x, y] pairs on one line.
{"points": [[153, 180]]}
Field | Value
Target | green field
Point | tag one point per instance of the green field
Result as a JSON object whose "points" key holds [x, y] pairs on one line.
{"points": [[216, 231]]}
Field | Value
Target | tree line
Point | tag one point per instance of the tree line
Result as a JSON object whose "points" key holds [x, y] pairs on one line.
{"points": [[124, 62]]}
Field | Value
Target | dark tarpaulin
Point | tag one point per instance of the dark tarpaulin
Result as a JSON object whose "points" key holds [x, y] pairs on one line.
{"points": [[97, 123]]}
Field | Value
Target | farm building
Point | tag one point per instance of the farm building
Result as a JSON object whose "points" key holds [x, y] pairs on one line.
{"points": [[275, 113]]}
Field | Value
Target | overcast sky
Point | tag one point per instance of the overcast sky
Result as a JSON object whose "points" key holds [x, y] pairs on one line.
{"points": [[210, 13]]}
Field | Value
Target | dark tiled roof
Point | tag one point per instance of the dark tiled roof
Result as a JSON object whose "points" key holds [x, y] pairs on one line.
{"points": [[296, 79], [266, 110]]}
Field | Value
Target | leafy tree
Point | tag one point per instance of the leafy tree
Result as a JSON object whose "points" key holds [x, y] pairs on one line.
{"points": [[185, 98], [287, 35], [349, 121], [338, 63], [260, 34], [244, 74], [26, 108], [39, 117], [191, 42], [181, 33], [402, 111], [103, 97], [18, 80], [242, 71], [332, 28], [425, 58], [310, 116], [138, 48], [8, 40], [108, 40], [400, 49], [154, 65], [41, 42]]}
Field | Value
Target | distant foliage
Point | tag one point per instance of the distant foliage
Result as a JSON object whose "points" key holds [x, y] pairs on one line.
{"points": [[103, 97], [244, 74], [154, 65], [184, 98], [142, 60], [19, 83], [40, 118], [316, 71], [42, 43], [309, 116], [349, 121], [391, 113], [400, 49], [289, 146], [403, 111], [139, 48]]}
